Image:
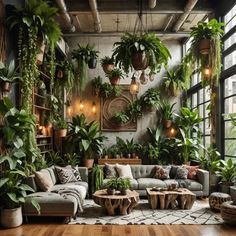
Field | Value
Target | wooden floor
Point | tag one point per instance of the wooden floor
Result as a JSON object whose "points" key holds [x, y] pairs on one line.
{"points": [[97, 230]]}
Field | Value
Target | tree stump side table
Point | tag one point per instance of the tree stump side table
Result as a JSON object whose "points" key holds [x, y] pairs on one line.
{"points": [[116, 204], [228, 212], [216, 199], [181, 198]]}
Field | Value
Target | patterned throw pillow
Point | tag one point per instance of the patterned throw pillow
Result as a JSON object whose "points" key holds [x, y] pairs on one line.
{"points": [[192, 171], [161, 172], [65, 175], [110, 171], [181, 173], [76, 172]]}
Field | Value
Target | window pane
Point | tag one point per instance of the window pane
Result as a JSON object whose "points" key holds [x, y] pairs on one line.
{"points": [[230, 60], [201, 126], [207, 141], [207, 127], [201, 96], [230, 147], [230, 130], [230, 25], [194, 100], [194, 79], [230, 86], [207, 93], [230, 105], [230, 15], [230, 41], [200, 111], [206, 110]]}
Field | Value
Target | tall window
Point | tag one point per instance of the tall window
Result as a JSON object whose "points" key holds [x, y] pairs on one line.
{"points": [[228, 85]]}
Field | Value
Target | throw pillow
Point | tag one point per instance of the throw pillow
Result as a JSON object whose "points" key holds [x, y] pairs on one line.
{"points": [[192, 171], [43, 180], [161, 172], [65, 175], [181, 173], [75, 170], [110, 171], [173, 171], [124, 171]]}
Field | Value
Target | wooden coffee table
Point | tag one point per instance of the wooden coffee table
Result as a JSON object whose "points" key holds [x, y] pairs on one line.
{"points": [[181, 198], [116, 204]]}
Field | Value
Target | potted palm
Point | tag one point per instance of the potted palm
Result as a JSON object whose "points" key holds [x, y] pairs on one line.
{"points": [[166, 112], [227, 173], [115, 76], [139, 52], [107, 64], [8, 75]]}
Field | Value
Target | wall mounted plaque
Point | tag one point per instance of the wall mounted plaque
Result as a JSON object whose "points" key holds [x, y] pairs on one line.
{"points": [[111, 105]]}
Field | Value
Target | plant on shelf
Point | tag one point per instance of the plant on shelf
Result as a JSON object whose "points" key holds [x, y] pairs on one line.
{"points": [[8, 75], [174, 83], [166, 113], [85, 138], [97, 177], [139, 52], [227, 172], [114, 76], [127, 147], [150, 99], [121, 117], [60, 125], [107, 90], [108, 64]]}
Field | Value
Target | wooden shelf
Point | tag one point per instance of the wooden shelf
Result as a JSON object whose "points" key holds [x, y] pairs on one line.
{"points": [[43, 144], [43, 136], [131, 161], [42, 108]]}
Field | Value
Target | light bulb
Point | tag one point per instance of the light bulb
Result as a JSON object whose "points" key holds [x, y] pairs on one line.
{"points": [[207, 72], [94, 109], [81, 105], [69, 111], [134, 86]]}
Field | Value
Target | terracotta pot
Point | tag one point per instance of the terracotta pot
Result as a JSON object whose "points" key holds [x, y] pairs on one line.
{"points": [[115, 80], [167, 123], [107, 68], [60, 133], [11, 218], [139, 61], [88, 163], [92, 63], [204, 46], [5, 86]]}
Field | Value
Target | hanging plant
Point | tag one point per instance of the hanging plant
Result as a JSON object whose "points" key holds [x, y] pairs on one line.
{"points": [[139, 52]]}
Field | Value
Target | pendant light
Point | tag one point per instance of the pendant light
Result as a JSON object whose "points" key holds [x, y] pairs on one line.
{"points": [[134, 85]]}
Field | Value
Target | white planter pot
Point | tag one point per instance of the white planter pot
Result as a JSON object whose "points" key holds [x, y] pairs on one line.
{"points": [[11, 218]]}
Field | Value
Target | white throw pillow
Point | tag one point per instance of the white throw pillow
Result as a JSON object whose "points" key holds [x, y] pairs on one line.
{"points": [[124, 171]]}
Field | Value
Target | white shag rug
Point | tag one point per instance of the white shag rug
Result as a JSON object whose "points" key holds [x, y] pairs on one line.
{"points": [[143, 215]]}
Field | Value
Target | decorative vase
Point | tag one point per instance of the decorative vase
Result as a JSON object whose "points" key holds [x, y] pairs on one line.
{"points": [[60, 133], [11, 218], [92, 63], [107, 68], [88, 163], [225, 186], [204, 46], [139, 61], [115, 80]]}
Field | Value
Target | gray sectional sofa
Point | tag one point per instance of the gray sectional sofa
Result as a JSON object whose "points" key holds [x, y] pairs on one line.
{"points": [[142, 180], [51, 202]]}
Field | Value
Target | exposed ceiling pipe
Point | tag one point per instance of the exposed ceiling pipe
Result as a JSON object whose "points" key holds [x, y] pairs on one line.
{"points": [[152, 3], [96, 17], [65, 15], [170, 18], [188, 8]]}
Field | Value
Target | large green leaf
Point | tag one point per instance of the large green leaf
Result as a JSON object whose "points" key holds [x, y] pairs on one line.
{"points": [[3, 181]]}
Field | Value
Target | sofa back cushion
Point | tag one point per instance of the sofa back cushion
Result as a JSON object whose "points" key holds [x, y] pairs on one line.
{"points": [[124, 171], [44, 180], [141, 171]]}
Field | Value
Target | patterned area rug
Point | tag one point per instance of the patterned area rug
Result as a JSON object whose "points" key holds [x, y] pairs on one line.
{"points": [[142, 214]]}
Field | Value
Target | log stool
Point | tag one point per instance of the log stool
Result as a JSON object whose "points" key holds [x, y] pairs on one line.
{"points": [[228, 212], [216, 199]]}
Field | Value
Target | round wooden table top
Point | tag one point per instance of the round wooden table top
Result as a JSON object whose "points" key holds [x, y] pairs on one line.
{"points": [[103, 194]]}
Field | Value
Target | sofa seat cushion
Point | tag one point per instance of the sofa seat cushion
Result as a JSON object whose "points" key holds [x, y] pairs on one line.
{"points": [[80, 188], [144, 183], [168, 182], [133, 182], [50, 204], [195, 186]]}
